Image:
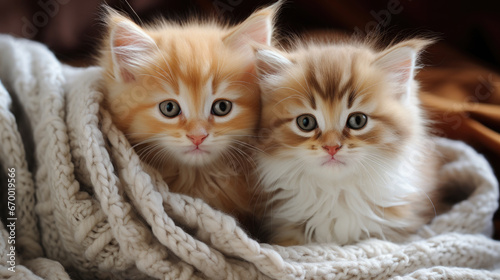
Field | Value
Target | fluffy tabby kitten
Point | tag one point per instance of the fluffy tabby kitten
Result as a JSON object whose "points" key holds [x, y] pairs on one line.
{"points": [[346, 157], [186, 96]]}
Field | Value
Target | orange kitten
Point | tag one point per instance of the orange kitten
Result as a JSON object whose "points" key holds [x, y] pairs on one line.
{"points": [[346, 157], [186, 97]]}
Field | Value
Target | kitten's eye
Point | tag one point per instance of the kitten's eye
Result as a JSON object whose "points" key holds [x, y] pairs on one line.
{"points": [[221, 107], [357, 120], [306, 122], [170, 108]]}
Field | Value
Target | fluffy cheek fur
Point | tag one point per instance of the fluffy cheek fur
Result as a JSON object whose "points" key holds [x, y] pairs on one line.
{"points": [[382, 139]]}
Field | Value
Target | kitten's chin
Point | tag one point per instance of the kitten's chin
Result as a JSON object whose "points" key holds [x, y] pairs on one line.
{"points": [[197, 157], [327, 166]]}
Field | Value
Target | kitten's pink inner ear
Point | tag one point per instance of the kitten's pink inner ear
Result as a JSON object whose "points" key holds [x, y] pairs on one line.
{"points": [[131, 48], [400, 63], [123, 72], [405, 70], [256, 29]]}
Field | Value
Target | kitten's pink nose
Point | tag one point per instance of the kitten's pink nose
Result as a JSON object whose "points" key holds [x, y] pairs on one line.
{"points": [[332, 150], [197, 139]]}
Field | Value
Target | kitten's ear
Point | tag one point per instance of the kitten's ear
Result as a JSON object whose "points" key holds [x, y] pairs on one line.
{"points": [[256, 29], [130, 46], [270, 62], [400, 60]]}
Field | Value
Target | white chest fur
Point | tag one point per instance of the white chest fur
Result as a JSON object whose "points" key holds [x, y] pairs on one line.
{"points": [[333, 208]]}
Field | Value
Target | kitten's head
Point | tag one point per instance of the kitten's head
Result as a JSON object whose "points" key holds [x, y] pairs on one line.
{"points": [[187, 91], [339, 109]]}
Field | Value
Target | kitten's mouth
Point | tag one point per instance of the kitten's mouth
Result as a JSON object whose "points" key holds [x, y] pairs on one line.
{"points": [[197, 151], [332, 161]]}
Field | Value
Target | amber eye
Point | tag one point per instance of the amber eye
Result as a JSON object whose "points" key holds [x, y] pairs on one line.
{"points": [[306, 122], [221, 107], [170, 108], [357, 120]]}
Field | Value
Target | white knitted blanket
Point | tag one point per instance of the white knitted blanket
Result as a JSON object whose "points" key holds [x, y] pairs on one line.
{"points": [[86, 208]]}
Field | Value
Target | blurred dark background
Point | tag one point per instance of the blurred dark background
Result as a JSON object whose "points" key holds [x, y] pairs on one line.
{"points": [[461, 73], [71, 27]]}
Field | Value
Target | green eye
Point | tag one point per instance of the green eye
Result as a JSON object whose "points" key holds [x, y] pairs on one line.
{"points": [[357, 120], [221, 107], [306, 122], [170, 108]]}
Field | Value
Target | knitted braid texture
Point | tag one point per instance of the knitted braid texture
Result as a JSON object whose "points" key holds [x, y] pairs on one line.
{"points": [[88, 206]]}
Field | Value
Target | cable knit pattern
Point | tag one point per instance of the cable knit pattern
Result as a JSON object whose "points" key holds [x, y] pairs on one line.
{"points": [[88, 206]]}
